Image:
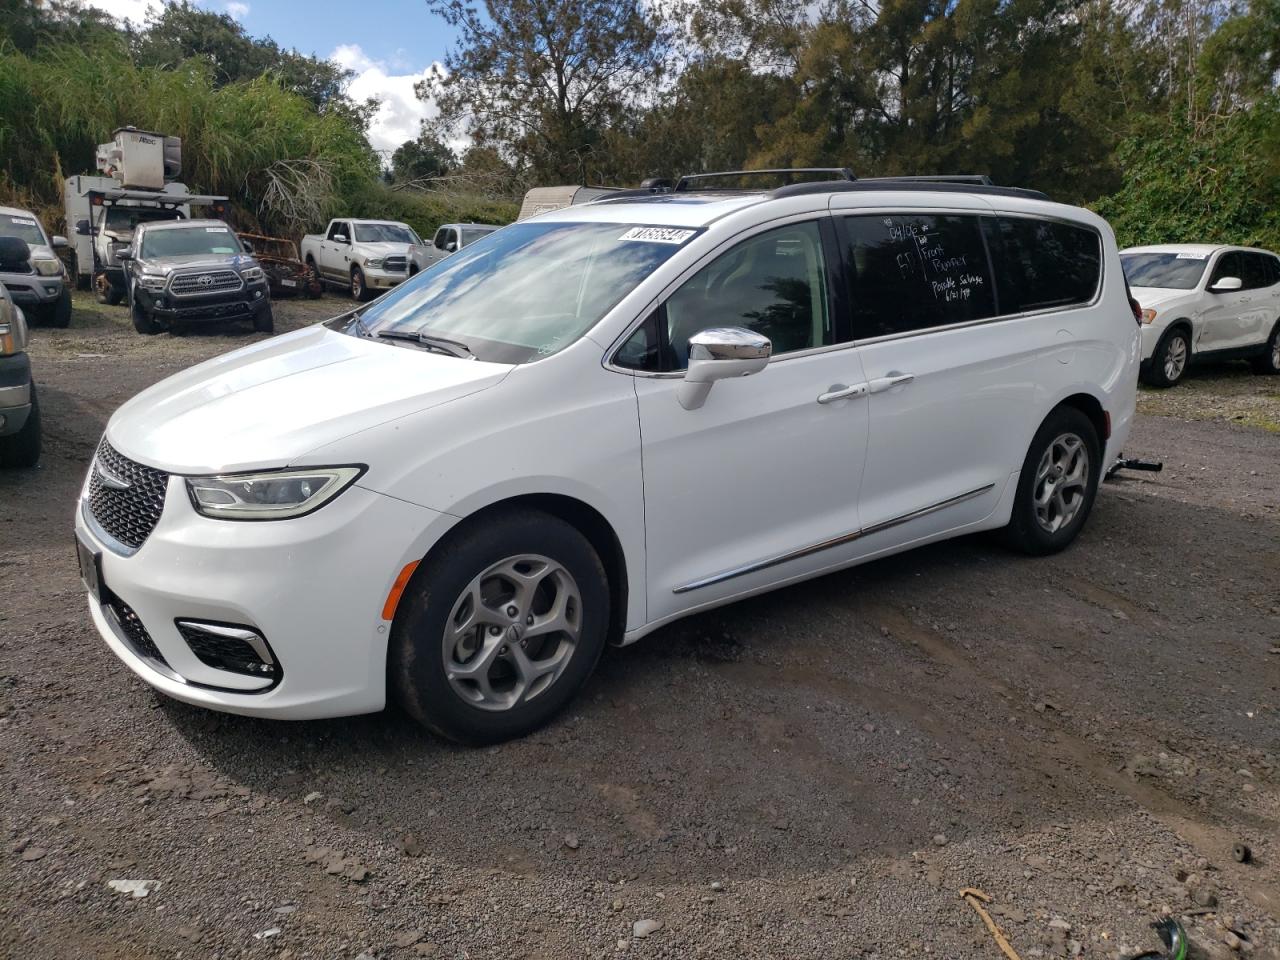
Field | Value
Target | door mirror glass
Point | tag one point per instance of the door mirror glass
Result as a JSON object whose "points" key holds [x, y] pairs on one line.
{"points": [[340, 238], [450, 247], [246, 246], [720, 353], [124, 255], [59, 241], [1226, 285]]}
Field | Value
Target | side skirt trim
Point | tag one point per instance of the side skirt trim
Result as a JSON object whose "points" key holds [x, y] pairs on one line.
{"points": [[830, 543]]}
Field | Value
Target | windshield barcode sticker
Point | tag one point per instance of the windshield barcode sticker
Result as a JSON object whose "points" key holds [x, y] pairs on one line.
{"points": [[22, 221], [658, 235], [215, 230], [1192, 256]]}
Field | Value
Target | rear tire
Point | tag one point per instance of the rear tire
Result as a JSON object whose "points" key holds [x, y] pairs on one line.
{"points": [[1268, 362], [1057, 485], [440, 620], [1169, 360], [22, 449]]}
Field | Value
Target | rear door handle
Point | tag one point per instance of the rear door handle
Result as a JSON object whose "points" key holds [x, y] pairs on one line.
{"points": [[894, 379], [838, 392]]}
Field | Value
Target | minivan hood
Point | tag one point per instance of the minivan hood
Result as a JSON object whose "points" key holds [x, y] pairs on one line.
{"points": [[269, 404]]}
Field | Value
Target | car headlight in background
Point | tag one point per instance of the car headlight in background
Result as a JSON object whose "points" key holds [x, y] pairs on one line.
{"points": [[273, 495], [252, 274], [153, 281], [47, 266], [375, 262], [1148, 315]]}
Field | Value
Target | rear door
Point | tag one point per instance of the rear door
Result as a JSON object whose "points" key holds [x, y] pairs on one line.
{"points": [[1263, 289]]}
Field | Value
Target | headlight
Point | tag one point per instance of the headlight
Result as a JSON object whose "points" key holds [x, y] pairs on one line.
{"points": [[1148, 315], [47, 266], [374, 262], [276, 495], [251, 274], [153, 281]]}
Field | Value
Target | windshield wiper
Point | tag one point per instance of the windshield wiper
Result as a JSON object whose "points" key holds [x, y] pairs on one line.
{"points": [[453, 348]]}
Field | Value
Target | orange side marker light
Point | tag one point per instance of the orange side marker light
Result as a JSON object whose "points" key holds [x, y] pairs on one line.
{"points": [[397, 588]]}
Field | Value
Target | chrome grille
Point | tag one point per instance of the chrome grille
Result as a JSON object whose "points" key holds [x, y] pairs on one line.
{"points": [[201, 282], [395, 263], [128, 514]]}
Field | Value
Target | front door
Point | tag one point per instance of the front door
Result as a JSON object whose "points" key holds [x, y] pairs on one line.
{"points": [[1225, 321], [761, 482]]}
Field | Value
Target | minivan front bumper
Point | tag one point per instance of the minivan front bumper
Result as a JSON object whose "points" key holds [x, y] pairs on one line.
{"points": [[312, 587]]}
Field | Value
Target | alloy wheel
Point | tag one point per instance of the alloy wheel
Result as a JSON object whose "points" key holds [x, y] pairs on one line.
{"points": [[512, 632], [1062, 480], [1175, 359]]}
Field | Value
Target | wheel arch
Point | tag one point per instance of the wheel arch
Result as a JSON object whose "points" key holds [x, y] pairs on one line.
{"points": [[1092, 408], [1183, 324], [584, 518]]}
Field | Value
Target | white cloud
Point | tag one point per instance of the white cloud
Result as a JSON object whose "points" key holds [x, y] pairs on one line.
{"points": [[237, 10], [400, 112], [133, 12]]}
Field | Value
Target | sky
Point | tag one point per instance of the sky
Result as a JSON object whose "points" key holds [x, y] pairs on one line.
{"points": [[390, 44]]}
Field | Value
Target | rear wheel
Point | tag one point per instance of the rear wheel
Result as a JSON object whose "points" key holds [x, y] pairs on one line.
{"points": [[1268, 362], [1057, 485], [22, 449], [1169, 360], [500, 628]]}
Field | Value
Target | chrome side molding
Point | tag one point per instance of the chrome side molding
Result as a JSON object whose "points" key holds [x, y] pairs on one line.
{"points": [[830, 543]]}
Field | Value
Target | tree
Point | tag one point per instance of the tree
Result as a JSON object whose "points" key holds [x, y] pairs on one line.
{"points": [[543, 81], [421, 159]]}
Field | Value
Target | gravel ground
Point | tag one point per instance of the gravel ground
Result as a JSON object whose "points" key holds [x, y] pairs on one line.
{"points": [[815, 773]]}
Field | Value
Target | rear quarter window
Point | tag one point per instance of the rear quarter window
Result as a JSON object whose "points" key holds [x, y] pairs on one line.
{"points": [[1041, 264]]}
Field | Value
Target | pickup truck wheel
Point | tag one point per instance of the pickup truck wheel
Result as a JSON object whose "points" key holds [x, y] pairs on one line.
{"points": [[1268, 362], [264, 321], [1057, 485], [359, 291], [499, 628], [142, 321], [108, 292], [60, 312], [22, 449]]}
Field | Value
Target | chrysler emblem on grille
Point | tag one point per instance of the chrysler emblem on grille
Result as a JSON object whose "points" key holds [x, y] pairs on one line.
{"points": [[109, 479], [204, 280]]}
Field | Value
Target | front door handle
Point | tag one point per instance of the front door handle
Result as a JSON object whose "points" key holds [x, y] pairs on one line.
{"points": [[839, 392], [894, 379]]}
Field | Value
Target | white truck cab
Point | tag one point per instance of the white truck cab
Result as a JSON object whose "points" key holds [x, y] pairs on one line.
{"points": [[366, 257]]}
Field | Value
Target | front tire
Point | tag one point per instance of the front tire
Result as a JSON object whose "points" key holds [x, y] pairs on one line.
{"points": [[22, 449], [499, 628], [359, 289], [1057, 485], [1169, 360], [108, 292], [1268, 362], [60, 312], [264, 321], [142, 321]]}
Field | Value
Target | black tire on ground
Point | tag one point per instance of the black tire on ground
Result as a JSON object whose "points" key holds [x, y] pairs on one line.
{"points": [[1025, 531], [359, 290], [60, 313], [1268, 362], [142, 321], [416, 672], [264, 321], [22, 449], [108, 292], [413, 269], [1158, 370]]}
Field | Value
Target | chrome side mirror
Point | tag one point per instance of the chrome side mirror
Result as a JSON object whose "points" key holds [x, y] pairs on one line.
{"points": [[59, 241], [1226, 285], [721, 353]]}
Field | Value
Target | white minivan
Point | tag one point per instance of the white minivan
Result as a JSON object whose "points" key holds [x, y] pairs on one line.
{"points": [[596, 421]]}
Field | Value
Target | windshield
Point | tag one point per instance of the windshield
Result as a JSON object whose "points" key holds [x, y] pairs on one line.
{"points": [[188, 241], [385, 233], [24, 228], [1177, 271], [526, 291], [123, 220], [472, 234]]}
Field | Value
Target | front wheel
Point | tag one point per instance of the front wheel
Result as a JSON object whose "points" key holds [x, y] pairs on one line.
{"points": [[60, 311], [264, 321], [142, 321], [108, 292], [1057, 485], [359, 289], [1268, 362], [1169, 359], [499, 628]]}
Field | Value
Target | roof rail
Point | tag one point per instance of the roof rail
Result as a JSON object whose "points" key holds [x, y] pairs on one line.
{"points": [[975, 179], [834, 173], [908, 185]]}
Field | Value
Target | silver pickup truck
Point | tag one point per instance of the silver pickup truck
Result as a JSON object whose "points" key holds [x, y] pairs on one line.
{"points": [[450, 238], [19, 410], [36, 281], [364, 256]]}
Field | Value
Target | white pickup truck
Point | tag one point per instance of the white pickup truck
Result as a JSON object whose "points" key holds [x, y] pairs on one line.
{"points": [[365, 256], [450, 238]]}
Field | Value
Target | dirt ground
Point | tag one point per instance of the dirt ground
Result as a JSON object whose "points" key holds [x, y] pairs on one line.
{"points": [[816, 773]]}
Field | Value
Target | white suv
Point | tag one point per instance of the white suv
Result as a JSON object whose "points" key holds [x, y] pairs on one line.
{"points": [[1204, 302], [596, 421]]}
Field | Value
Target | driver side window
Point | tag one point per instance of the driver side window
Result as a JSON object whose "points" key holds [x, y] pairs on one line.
{"points": [[339, 229], [773, 283], [1229, 265]]}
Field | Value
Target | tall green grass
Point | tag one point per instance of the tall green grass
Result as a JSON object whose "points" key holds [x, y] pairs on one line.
{"points": [[58, 104]]}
